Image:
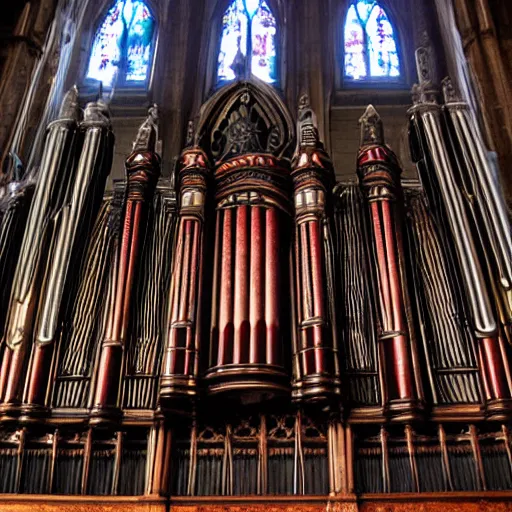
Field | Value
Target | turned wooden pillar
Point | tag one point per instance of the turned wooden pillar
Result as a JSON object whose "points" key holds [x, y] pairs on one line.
{"points": [[180, 367], [379, 176], [316, 368]]}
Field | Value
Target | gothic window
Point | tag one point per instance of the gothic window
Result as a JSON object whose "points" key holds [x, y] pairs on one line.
{"points": [[123, 45], [248, 42], [371, 49]]}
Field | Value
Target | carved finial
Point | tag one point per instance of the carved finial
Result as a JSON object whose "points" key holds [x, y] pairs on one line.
{"points": [[69, 108], [190, 134], [239, 62], [372, 129], [416, 94], [450, 95], [303, 102], [147, 136], [307, 125], [97, 112], [425, 62], [426, 91]]}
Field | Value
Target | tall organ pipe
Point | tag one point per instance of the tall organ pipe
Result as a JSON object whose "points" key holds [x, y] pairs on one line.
{"points": [[180, 367], [144, 355], [379, 176], [483, 198], [14, 209], [56, 172], [142, 171], [73, 228], [435, 165], [316, 365]]}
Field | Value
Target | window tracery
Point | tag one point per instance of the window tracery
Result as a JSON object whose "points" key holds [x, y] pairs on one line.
{"points": [[248, 42], [370, 43], [123, 45]]}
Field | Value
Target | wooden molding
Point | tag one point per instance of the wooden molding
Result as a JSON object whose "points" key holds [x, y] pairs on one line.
{"points": [[41, 503], [404, 502]]}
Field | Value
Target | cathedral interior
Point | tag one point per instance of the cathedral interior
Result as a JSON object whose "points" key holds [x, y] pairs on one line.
{"points": [[255, 255]]}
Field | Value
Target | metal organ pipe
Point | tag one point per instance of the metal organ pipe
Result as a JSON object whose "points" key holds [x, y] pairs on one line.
{"points": [[142, 170], [379, 176], [315, 349], [482, 196], [438, 159], [54, 175], [74, 225]]}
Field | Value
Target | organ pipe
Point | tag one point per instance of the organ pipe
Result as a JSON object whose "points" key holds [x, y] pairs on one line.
{"points": [[84, 323], [180, 367], [142, 171], [484, 201], [56, 172], [73, 226], [437, 166], [14, 209], [144, 355], [315, 350], [449, 342], [379, 177], [247, 352]]}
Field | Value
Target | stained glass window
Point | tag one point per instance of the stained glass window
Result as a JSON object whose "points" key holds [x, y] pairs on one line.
{"points": [[122, 48], [370, 46], [248, 29]]}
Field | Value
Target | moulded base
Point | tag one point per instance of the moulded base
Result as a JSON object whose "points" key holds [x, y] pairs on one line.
{"points": [[33, 413], [9, 411], [499, 409], [318, 390], [249, 383], [178, 393], [404, 410], [105, 415]]}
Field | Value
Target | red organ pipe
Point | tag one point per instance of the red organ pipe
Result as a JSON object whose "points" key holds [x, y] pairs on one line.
{"points": [[142, 170], [180, 366], [315, 349], [249, 302], [379, 175]]}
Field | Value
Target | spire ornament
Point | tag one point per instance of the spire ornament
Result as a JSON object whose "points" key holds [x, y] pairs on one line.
{"points": [[372, 128]]}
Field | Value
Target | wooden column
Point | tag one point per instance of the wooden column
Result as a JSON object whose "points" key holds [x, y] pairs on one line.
{"points": [[315, 350], [379, 175], [180, 367]]}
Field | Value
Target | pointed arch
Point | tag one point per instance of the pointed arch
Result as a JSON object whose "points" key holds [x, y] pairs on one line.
{"points": [[248, 42], [371, 49], [265, 111], [123, 45]]}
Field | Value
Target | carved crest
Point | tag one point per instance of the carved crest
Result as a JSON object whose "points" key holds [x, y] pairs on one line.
{"points": [[245, 117]]}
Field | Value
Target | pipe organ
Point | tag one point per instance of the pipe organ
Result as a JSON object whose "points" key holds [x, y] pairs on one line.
{"points": [[259, 329]]}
